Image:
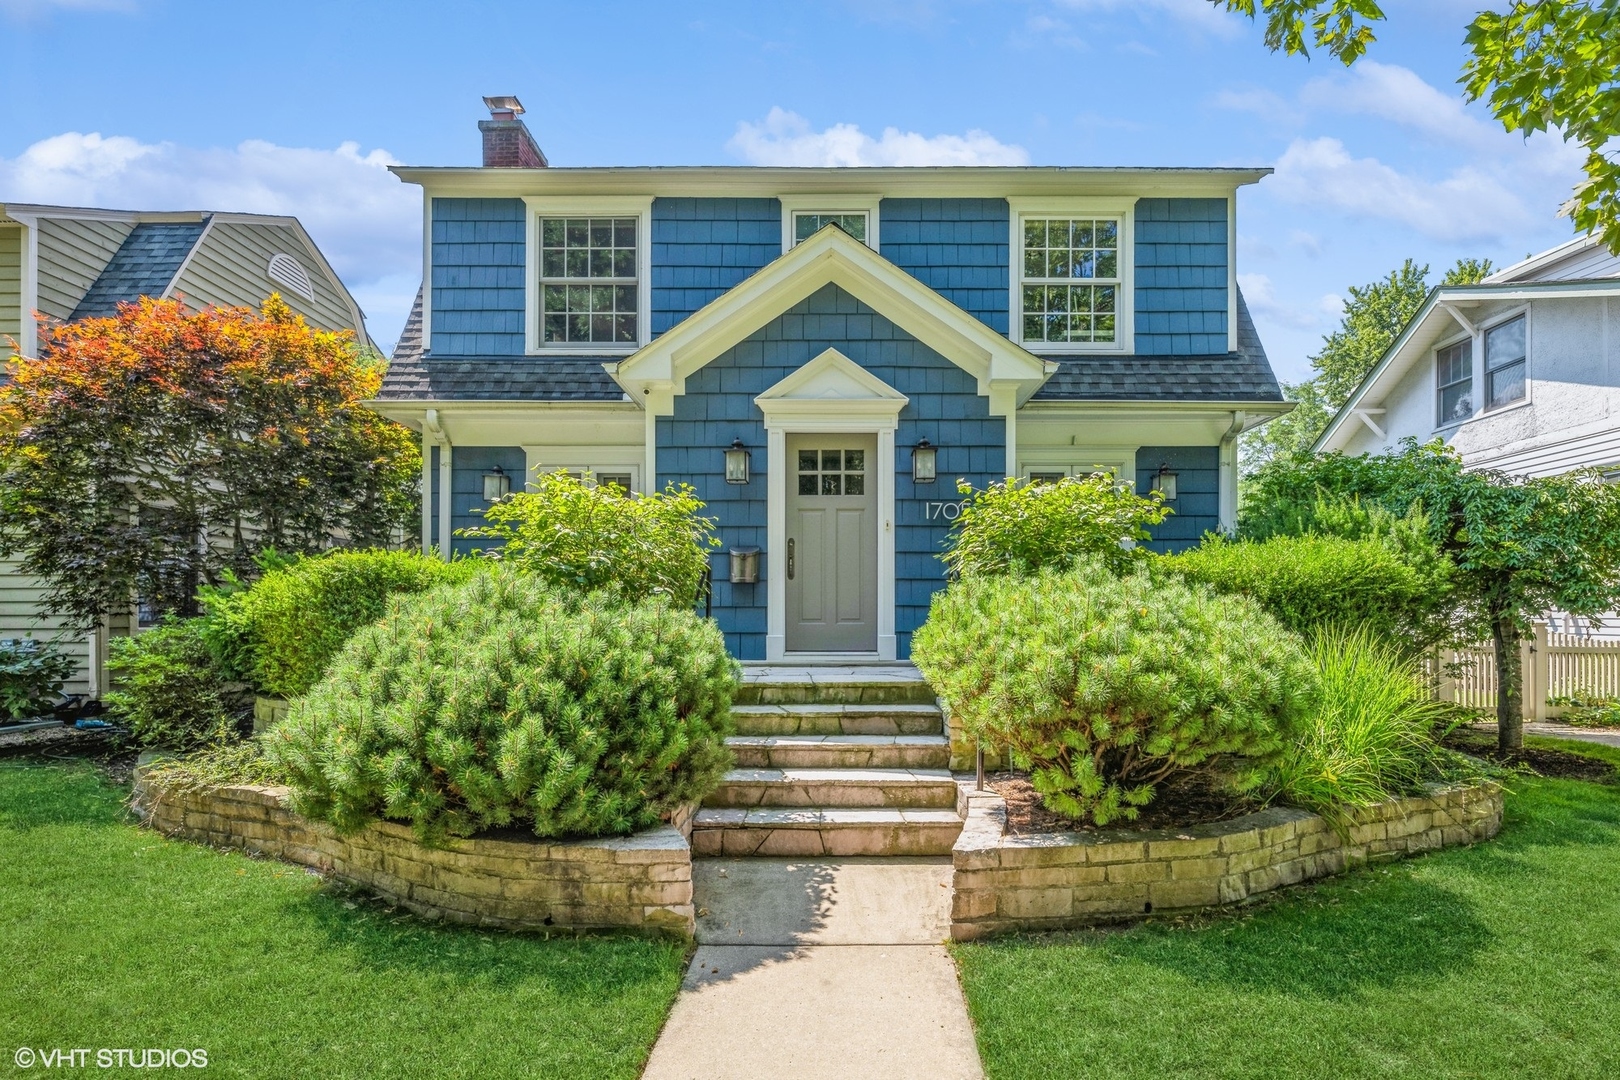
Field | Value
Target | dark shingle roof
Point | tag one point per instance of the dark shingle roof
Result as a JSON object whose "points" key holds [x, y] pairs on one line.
{"points": [[1244, 375], [413, 377], [144, 265]]}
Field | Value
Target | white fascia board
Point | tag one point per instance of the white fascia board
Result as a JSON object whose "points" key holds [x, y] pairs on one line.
{"points": [[921, 182], [829, 257], [1257, 411], [1393, 363], [1524, 267]]}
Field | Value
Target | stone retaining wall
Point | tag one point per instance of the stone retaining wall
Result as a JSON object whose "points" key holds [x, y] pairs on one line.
{"points": [[268, 712], [1047, 881], [641, 882]]}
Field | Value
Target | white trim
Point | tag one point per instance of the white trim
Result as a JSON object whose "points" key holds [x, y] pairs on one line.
{"points": [[28, 327], [1500, 319], [536, 206], [1366, 417], [427, 273], [1079, 461], [831, 394], [427, 491], [1231, 274], [830, 204], [1121, 207], [591, 459], [185, 264]]}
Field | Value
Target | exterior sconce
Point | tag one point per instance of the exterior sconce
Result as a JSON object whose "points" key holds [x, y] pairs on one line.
{"points": [[736, 465], [744, 565], [924, 463], [1165, 482], [497, 485]]}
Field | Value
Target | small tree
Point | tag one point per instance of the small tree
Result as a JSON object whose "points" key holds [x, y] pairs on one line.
{"points": [[1024, 527], [1521, 545], [147, 453]]}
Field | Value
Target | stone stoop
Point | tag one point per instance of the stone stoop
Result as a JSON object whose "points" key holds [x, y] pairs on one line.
{"points": [[833, 762]]}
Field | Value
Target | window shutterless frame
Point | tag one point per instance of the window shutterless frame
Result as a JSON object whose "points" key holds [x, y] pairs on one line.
{"points": [[1507, 356], [579, 295], [1454, 382], [853, 212], [1075, 293]]}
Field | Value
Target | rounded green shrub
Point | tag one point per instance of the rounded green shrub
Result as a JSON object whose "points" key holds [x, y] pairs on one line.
{"points": [[505, 700], [292, 621], [1104, 686], [169, 690], [1024, 527]]}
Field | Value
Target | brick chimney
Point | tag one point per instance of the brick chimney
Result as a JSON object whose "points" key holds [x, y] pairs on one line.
{"points": [[507, 142]]}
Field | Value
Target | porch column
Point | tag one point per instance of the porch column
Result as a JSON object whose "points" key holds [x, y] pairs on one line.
{"points": [[444, 500], [427, 491]]}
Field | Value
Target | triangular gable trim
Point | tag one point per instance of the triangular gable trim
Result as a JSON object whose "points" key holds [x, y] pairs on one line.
{"points": [[830, 387]]}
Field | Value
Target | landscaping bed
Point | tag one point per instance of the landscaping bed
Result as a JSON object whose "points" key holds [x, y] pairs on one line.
{"points": [[1196, 798]]}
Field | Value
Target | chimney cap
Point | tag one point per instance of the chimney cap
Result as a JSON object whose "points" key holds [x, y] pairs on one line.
{"points": [[508, 104]]}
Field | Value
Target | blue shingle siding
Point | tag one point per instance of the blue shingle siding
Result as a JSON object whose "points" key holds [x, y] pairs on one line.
{"points": [[1198, 485], [1181, 276], [718, 406], [477, 277], [144, 265], [957, 247], [703, 247], [468, 464]]}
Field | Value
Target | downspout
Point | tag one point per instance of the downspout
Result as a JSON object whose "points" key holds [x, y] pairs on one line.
{"points": [[430, 423], [1229, 473]]}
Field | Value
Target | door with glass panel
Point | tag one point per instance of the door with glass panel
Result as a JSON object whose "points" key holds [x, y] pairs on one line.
{"points": [[832, 543]]}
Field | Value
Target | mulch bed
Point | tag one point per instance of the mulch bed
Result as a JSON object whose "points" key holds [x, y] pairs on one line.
{"points": [[1194, 799], [1558, 764]]}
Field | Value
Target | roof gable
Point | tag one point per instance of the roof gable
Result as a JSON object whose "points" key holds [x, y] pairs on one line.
{"points": [[144, 265]]}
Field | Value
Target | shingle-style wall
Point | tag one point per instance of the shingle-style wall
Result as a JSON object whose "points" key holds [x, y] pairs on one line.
{"points": [[477, 277], [957, 247], [1198, 485], [718, 406], [701, 248], [1181, 276], [468, 464]]}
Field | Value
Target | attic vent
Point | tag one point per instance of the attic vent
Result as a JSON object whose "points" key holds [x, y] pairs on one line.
{"points": [[289, 272]]}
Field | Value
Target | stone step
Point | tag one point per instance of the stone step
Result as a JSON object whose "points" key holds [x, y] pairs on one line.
{"points": [[823, 832], [875, 684], [826, 788], [838, 719], [841, 751]]}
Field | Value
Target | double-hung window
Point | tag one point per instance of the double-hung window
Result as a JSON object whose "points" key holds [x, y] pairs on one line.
{"points": [[588, 281], [1454, 383], [1505, 363], [1071, 286]]}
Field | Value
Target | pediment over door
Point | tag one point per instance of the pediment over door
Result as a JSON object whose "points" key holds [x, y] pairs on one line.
{"points": [[830, 388]]}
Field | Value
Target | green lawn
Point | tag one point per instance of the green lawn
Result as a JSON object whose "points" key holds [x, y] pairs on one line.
{"points": [[1501, 960], [115, 937]]}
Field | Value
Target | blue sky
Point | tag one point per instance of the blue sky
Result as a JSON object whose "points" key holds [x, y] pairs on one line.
{"points": [[298, 107]]}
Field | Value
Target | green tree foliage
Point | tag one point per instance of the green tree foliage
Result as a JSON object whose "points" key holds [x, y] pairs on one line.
{"points": [[1542, 65], [577, 534], [1374, 316], [31, 676], [1023, 527], [170, 692], [506, 700], [1520, 545], [1104, 686]]}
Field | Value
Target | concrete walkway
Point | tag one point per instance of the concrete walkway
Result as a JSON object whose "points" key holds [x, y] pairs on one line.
{"points": [[1606, 736], [819, 969]]}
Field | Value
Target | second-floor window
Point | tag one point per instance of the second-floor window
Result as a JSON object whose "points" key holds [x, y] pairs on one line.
{"points": [[1504, 363], [1454, 383], [588, 282], [806, 223], [1070, 283]]}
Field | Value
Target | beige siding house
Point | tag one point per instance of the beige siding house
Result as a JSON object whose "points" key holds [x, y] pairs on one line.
{"points": [[67, 263]]}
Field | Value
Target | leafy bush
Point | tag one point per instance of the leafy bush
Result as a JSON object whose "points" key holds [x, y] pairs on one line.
{"points": [[579, 535], [1372, 735], [287, 628], [1023, 527], [508, 700], [31, 676], [1310, 582], [170, 692], [1105, 686], [1588, 710]]}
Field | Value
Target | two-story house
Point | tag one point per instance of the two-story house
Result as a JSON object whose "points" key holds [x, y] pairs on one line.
{"points": [[822, 353], [65, 263]]}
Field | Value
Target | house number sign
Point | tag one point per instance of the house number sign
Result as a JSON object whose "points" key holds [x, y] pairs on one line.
{"points": [[948, 511]]}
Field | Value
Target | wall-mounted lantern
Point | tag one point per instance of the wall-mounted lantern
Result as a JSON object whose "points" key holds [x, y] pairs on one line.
{"points": [[924, 463], [744, 565], [737, 463], [1164, 482], [497, 485]]}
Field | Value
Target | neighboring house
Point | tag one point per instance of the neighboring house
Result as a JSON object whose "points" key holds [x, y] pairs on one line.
{"points": [[821, 353], [70, 263]]}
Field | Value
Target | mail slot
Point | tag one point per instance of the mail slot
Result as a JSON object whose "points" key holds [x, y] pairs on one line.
{"points": [[744, 565]]}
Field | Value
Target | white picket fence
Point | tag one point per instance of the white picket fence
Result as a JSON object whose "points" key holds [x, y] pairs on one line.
{"points": [[1554, 665]]}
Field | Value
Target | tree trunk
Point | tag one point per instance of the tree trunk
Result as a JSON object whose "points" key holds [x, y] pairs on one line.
{"points": [[1509, 684]]}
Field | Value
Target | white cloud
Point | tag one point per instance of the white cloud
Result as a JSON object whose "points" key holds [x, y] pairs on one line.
{"points": [[1266, 104], [1261, 296], [786, 138], [367, 223], [1199, 14], [1401, 95], [1467, 205]]}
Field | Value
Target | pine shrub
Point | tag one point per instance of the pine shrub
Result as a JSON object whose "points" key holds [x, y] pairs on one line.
{"points": [[1104, 686], [505, 700]]}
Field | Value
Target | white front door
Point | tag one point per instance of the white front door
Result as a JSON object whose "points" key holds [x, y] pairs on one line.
{"points": [[832, 511]]}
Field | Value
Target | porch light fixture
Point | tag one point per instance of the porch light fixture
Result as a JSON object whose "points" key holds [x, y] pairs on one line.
{"points": [[497, 485], [737, 463], [1165, 482], [924, 463]]}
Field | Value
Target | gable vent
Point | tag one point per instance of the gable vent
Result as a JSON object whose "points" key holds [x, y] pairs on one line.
{"points": [[289, 272]]}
